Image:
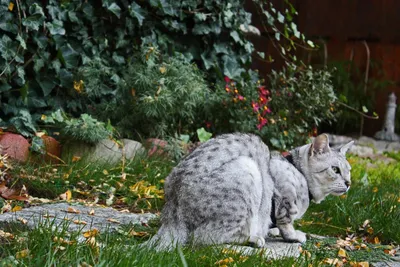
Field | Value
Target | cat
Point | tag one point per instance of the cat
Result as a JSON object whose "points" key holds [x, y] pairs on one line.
{"points": [[231, 189]]}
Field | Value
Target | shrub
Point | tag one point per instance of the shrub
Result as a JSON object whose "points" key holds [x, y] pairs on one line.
{"points": [[45, 43], [159, 96], [286, 112]]}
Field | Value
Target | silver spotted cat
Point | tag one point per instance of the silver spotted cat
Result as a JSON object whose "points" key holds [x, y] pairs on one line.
{"points": [[231, 189]]}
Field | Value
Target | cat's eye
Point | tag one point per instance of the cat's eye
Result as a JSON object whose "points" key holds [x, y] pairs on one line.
{"points": [[336, 169]]}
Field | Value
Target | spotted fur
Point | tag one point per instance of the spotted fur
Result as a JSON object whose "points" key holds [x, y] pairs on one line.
{"points": [[232, 189]]}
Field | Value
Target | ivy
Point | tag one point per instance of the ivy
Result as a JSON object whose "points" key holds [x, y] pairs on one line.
{"points": [[45, 46]]}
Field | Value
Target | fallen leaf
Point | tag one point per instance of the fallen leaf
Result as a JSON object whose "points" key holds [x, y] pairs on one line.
{"points": [[22, 220], [375, 189], [66, 196], [366, 222], [79, 222], [376, 240], [91, 233], [342, 253], [224, 261], [91, 212], [139, 234], [16, 208], [22, 254], [72, 210], [6, 235], [105, 172], [163, 69], [359, 264], [75, 158], [113, 220], [84, 264], [62, 248]]}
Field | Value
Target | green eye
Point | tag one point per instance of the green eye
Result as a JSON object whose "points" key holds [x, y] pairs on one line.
{"points": [[336, 169]]}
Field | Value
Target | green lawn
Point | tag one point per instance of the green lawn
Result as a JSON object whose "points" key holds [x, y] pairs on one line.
{"points": [[367, 216]]}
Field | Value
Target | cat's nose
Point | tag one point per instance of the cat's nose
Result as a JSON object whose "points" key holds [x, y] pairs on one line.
{"points": [[347, 183]]}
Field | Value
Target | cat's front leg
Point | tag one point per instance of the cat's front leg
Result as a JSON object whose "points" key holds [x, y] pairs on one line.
{"points": [[286, 212], [290, 234]]}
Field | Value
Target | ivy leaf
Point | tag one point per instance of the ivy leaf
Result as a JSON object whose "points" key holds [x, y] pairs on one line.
{"points": [[46, 83], [69, 56], [72, 17], [221, 48], [232, 68], [118, 59], [115, 9], [281, 18], [7, 49], [21, 41], [38, 145], [137, 12], [200, 17], [38, 64], [21, 74], [236, 37], [275, 142], [310, 43], [56, 27], [23, 123], [203, 135], [36, 19], [66, 78], [4, 87]]}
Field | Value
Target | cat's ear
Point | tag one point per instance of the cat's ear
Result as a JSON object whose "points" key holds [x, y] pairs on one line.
{"points": [[343, 150], [320, 145]]}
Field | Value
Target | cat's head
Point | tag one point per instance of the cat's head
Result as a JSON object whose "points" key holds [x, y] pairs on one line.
{"points": [[328, 170]]}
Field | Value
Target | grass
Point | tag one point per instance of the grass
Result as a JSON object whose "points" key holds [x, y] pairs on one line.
{"points": [[367, 216]]}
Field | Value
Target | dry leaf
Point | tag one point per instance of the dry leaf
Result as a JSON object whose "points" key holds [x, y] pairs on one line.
{"points": [[375, 189], [16, 208], [79, 222], [22, 220], [60, 248], [91, 233], [359, 264], [76, 158], [139, 234], [113, 220], [105, 172], [224, 261], [66, 196], [376, 240], [342, 253], [72, 210], [6, 235], [163, 70], [22, 254], [91, 212], [84, 264]]}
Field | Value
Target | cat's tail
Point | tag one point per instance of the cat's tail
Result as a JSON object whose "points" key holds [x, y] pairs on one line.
{"points": [[167, 238]]}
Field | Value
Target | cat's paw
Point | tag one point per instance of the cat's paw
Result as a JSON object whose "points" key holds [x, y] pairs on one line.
{"points": [[300, 236], [257, 241], [274, 232]]}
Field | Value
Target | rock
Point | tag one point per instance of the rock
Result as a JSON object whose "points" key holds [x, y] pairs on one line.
{"points": [[379, 145], [104, 151], [338, 140], [15, 146], [361, 151], [56, 215]]}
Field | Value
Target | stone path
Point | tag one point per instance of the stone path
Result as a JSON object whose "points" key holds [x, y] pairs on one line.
{"points": [[78, 217]]}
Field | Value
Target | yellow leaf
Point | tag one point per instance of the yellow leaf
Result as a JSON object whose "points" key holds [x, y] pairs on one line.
{"points": [[22, 220], [366, 222], [72, 210], [376, 240], [342, 253], [80, 222], [16, 208], [139, 234], [370, 230], [224, 261], [133, 92], [113, 220], [11, 6], [43, 117], [76, 158], [91, 233], [91, 212], [22, 254], [375, 189], [66, 196], [6, 235], [40, 134], [105, 172], [163, 70]]}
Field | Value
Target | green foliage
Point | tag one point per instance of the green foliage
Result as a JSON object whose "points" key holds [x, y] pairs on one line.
{"points": [[85, 128], [155, 96], [49, 51], [285, 112], [348, 81]]}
